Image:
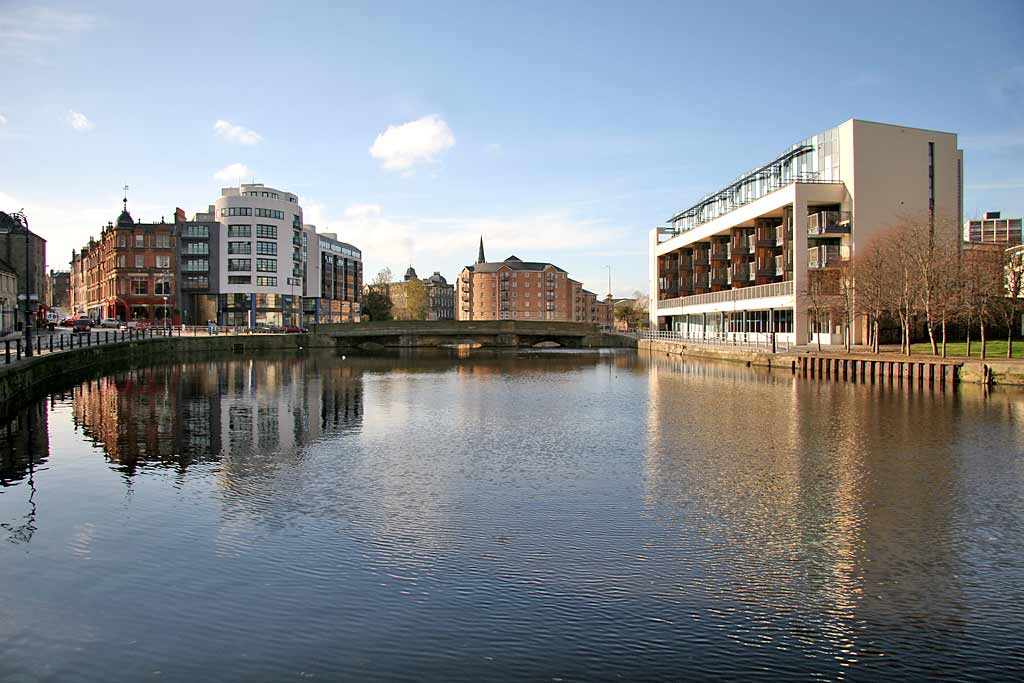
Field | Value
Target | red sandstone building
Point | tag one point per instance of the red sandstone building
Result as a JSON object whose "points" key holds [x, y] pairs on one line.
{"points": [[128, 274]]}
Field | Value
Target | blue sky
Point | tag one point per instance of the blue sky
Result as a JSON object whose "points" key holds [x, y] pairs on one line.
{"points": [[560, 131]]}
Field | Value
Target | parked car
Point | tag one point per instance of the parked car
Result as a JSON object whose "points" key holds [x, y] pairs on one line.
{"points": [[294, 329], [110, 323], [127, 325], [81, 325]]}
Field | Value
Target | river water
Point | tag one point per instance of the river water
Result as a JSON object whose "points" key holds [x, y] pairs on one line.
{"points": [[553, 516]]}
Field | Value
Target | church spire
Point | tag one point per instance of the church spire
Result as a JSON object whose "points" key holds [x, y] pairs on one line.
{"points": [[480, 256]]}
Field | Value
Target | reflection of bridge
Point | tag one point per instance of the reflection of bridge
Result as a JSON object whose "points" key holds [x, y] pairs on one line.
{"points": [[497, 333]]}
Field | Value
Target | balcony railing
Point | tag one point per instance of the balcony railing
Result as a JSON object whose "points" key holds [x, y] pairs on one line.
{"points": [[828, 223], [774, 289], [700, 258], [721, 276], [720, 253], [743, 245], [827, 256], [744, 272]]}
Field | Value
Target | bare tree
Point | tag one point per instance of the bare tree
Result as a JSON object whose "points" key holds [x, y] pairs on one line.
{"points": [[902, 281], [871, 263], [1010, 304]]}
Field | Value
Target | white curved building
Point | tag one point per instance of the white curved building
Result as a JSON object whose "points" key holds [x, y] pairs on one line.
{"points": [[259, 256]]}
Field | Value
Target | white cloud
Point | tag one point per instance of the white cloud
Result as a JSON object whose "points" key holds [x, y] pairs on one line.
{"points": [[29, 32], [400, 148], [238, 135], [233, 173], [447, 244], [79, 121], [3, 120]]}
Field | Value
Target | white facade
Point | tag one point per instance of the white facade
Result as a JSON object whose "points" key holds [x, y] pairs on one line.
{"points": [[259, 224], [738, 263]]}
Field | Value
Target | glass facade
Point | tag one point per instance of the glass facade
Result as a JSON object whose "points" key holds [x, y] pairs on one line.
{"points": [[814, 160]]}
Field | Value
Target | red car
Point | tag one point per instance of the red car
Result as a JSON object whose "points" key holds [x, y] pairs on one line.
{"points": [[294, 329], [81, 325]]}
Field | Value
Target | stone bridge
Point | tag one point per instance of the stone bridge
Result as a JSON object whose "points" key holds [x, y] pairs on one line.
{"points": [[493, 334]]}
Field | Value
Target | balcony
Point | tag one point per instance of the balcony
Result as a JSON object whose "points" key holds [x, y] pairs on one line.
{"points": [[720, 253], [721, 276], [700, 258], [769, 238], [743, 245], [828, 223], [702, 281], [827, 256], [744, 272]]}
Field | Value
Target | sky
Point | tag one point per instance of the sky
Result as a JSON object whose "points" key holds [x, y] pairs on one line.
{"points": [[559, 131]]}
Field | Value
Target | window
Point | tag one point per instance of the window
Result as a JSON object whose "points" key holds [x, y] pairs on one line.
{"points": [[266, 231], [122, 241], [239, 247], [266, 248], [236, 211], [239, 279], [196, 282], [122, 261], [294, 281], [264, 281], [239, 231], [162, 241], [237, 264], [269, 213], [140, 287], [140, 241], [162, 287], [266, 265], [195, 231], [163, 261], [196, 264], [199, 248], [140, 261]]}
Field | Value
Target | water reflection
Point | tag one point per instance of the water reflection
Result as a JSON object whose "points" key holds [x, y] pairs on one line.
{"points": [[511, 515]]}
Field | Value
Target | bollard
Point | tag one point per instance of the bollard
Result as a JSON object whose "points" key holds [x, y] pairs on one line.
{"points": [[51, 343], [62, 342], [7, 351], [18, 356]]}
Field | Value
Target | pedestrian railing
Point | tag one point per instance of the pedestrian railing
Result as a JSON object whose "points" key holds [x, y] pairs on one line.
{"points": [[741, 341]]}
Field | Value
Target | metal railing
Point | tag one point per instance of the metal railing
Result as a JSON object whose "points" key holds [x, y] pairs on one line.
{"points": [[828, 223], [726, 296], [827, 255], [741, 341]]}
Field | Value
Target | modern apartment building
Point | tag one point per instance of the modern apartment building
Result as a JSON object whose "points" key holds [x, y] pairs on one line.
{"points": [[743, 260], [259, 254], [199, 267], [992, 228], [128, 274], [333, 278]]}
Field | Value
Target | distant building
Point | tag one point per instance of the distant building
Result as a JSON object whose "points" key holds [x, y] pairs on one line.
{"points": [[439, 297], [514, 289], [58, 289], [991, 227], [128, 274]]}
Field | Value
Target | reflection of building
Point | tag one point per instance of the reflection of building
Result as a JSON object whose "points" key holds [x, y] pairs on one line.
{"points": [[128, 274], [179, 415], [742, 260], [991, 227], [517, 289], [333, 275]]}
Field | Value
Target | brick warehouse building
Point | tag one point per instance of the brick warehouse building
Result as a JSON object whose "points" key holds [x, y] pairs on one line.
{"points": [[514, 289], [128, 274]]}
